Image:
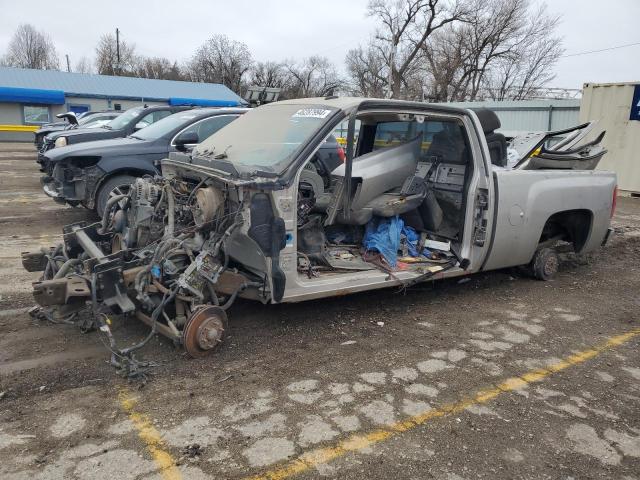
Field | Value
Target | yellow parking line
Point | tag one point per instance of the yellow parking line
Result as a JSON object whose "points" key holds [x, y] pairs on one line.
{"points": [[150, 436], [357, 442]]}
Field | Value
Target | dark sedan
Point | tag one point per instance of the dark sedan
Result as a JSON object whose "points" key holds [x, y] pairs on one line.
{"points": [[71, 122], [90, 173], [129, 122]]}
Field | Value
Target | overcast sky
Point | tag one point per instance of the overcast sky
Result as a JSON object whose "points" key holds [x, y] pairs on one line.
{"points": [[283, 29]]}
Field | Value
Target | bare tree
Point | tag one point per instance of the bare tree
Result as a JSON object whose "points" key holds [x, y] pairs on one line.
{"points": [[443, 65], [405, 27], [29, 48], [83, 66], [107, 57], [220, 60], [456, 50], [314, 76], [529, 66], [491, 34], [157, 67], [270, 74], [367, 71], [499, 36]]}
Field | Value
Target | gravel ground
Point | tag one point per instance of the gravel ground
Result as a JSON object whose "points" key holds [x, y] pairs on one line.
{"points": [[325, 388]]}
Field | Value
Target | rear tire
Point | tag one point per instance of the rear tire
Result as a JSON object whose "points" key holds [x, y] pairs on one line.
{"points": [[116, 185], [545, 264]]}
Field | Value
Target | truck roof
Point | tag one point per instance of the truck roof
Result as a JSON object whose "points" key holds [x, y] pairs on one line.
{"points": [[348, 103]]}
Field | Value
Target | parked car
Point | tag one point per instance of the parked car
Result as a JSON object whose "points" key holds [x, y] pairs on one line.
{"points": [[425, 193], [130, 121], [66, 119], [72, 121], [91, 172]]}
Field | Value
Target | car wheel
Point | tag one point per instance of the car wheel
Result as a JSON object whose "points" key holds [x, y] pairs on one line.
{"points": [[545, 264], [116, 185]]}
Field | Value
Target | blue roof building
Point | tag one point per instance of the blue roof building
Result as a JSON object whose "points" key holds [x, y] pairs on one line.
{"points": [[29, 98]]}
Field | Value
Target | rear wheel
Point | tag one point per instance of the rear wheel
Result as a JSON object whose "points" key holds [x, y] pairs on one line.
{"points": [[545, 264], [116, 185]]}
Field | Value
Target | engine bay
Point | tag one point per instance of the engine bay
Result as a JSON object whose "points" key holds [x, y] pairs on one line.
{"points": [[158, 255]]}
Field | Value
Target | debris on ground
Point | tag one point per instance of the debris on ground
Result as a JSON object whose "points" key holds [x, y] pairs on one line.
{"points": [[193, 450]]}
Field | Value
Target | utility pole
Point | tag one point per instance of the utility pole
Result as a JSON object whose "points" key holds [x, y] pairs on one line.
{"points": [[68, 66], [117, 51]]}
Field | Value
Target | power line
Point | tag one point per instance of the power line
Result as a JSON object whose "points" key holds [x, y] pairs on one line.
{"points": [[601, 50]]}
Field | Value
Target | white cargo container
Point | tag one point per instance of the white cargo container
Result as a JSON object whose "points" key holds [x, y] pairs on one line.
{"points": [[616, 106]]}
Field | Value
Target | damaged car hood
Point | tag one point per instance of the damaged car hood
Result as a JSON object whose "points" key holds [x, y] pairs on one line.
{"points": [[107, 148], [85, 134]]}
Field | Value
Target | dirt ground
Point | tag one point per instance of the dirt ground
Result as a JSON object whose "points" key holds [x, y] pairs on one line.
{"points": [[376, 385]]}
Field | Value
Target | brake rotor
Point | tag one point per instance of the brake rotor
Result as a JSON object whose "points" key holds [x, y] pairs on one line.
{"points": [[204, 330]]}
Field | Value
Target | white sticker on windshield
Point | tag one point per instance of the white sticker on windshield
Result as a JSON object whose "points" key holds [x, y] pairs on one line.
{"points": [[311, 113]]}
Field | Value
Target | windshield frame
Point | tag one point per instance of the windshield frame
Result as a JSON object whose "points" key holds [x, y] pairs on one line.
{"points": [[284, 165]]}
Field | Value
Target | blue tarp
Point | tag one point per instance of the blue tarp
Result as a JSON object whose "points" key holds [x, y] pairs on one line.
{"points": [[384, 235], [31, 95], [201, 102], [412, 240]]}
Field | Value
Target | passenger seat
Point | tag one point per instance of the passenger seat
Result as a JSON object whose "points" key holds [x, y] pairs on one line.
{"points": [[496, 141]]}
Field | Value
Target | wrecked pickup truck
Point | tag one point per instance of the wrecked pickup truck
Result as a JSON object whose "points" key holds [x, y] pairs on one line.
{"points": [[425, 192]]}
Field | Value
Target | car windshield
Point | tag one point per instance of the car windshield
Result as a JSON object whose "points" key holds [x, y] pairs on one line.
{"points": [[96, 123], [266, 137], [123, 120], [164, 127]]}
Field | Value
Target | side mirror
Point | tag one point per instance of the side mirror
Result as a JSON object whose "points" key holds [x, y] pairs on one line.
{"points": [[140, 125], [186, 138]]}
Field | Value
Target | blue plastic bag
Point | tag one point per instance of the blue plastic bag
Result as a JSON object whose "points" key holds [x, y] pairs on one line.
{"points": [[383, 235], [411, 241]]}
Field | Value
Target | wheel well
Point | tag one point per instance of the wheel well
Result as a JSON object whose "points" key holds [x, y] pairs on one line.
{"points": [[125, 171], [571, 226]]}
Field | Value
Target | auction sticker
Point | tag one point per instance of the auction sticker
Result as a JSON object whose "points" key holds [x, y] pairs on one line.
{"points": [[311, 113]]}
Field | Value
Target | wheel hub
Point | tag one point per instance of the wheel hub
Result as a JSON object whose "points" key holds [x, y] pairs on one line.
{"points": [[204, 330], [210, 333], [551, 265]]}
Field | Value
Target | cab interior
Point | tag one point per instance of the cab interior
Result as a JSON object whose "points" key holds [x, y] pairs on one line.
{"points": [[408, 167]]}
